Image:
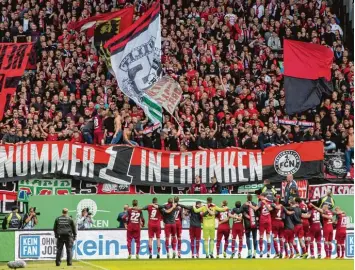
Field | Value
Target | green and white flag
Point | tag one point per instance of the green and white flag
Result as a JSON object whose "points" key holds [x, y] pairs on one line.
{"points": [[136, 61]]}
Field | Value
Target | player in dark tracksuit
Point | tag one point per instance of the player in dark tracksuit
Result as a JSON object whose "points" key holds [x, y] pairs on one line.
{"points": [[289, 235], [195, 228], [250, 225], [296, 214], [238, 228]]}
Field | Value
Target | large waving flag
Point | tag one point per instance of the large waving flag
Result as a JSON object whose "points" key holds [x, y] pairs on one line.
{"points": [[105, 26], [136, 61], [307, 75]]}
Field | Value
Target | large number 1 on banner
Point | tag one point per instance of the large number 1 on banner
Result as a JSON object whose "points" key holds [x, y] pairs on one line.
{"points": [[110, 174]]}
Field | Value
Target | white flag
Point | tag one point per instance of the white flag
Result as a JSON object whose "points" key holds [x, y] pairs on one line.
{"points": [[136, 60]]}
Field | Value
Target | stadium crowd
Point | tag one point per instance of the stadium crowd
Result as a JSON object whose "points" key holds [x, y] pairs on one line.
{"points": [[226, 55]]}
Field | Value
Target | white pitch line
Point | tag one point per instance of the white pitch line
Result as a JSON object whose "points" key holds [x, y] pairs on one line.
{"points": [[93, 265]]}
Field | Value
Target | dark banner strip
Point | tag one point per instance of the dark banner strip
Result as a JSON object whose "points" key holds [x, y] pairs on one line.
{"points": [[123, 165]]}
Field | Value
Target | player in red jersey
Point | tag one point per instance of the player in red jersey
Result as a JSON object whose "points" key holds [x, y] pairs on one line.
{"points": [[305, 224], [315, 231], [154, 228], [264, 222], [98, 127], [178, 224], [135, 222], [222, 230], [168, 211], [237, 228], [340, 234], [278, 227], [327, 228]]}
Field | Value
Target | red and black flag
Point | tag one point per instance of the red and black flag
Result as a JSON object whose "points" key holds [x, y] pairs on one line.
{"points": [[14, 58], [105, 26], [307, 75]]}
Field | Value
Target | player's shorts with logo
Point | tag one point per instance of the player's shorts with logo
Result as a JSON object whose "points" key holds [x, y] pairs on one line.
{"points": [[154, 230], [299, 231], [278, 228], [289, 236], [170, 230], [195, 233]]}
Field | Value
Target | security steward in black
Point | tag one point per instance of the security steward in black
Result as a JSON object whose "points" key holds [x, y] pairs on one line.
{"points": [[65, 233]]}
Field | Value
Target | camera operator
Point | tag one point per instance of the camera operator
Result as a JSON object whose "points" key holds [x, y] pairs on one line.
{"points": [[85, 220], [30, 219]]}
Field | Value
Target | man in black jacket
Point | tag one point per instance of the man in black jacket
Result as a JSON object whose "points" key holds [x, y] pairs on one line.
{"points": [[265, 139], [65, 233], [252, 143], [279, 138]]}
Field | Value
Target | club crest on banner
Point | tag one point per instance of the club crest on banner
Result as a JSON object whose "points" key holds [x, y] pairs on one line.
{"points": [[287, 162]]}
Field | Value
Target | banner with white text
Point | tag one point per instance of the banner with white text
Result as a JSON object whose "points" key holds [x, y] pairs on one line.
{"points": [[124, 165]]}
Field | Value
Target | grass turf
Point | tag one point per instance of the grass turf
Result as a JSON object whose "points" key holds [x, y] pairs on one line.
{"points": [[201, 264]]}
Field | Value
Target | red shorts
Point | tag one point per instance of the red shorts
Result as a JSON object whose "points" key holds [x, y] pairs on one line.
{"points": [[340, 237], [277, 228], [264, 226], [237, 230], [289, 236], [305, 229], [224, 232], [133, 234], [195, 233], [178, 229], [170, 229], [315, 232], [154, 230], [328, 235], [98, 136], [299, 231]]}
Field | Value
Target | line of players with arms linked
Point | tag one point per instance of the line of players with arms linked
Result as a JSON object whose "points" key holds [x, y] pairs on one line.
{"points": [[299, 220]]}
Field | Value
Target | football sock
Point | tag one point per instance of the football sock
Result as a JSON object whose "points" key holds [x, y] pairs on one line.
{"points": [[233, 245], [240, 245], [205, 245], [276, 246], [211, 246], [173, 243], [311, 246], [261, 242]]}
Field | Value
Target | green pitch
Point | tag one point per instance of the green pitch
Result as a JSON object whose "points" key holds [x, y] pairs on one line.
{"points": [[200, 264]]}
